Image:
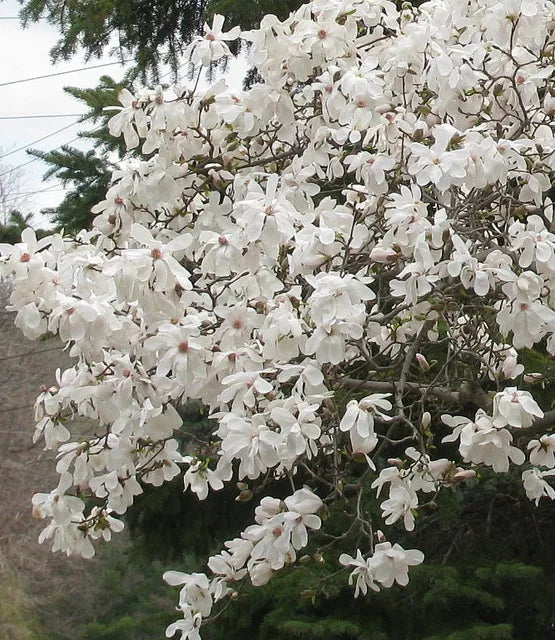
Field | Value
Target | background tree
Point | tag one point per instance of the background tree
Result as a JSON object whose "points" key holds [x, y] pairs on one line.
{"points": [[148, 33], [87, 173], [12, 190], [14, 204]]}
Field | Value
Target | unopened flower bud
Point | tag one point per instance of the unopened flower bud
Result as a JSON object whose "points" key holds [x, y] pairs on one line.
{"points": [[382, 254], [395, 462], [423, 363], [380, 536], [426, 420], [464, 474], [533, 378], [244, 496]]}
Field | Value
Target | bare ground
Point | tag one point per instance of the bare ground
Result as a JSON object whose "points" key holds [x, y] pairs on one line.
{"points": [[39, 591]]}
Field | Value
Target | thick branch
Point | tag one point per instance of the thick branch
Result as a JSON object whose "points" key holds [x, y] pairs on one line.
{"points": [[390, 387]]}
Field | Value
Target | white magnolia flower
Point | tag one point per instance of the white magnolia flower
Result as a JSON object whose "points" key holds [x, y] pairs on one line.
{"points": [[542, 451], [212, 45], [391, 563], [535, 485], [515, 408], [199, 477]]}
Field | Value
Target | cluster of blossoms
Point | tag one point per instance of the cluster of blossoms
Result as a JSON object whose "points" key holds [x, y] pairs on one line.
{"points": [[263, 548], [328, 261]]}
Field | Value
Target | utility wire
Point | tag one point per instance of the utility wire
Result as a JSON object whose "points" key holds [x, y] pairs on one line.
{"points": [[30, 193], [24, 164], [17, 196], [20, 166], [44, 115], [30, 144], [62, 73], [8, 200]]}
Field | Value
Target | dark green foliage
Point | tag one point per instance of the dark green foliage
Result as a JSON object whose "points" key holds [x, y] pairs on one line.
{"points": [[89, 176], [149, 32], [505, 601], [488, 574], [10, 233], [135, 604]]}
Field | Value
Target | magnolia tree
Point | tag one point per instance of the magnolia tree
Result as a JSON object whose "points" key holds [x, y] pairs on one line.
{"points": [[343, 264]]}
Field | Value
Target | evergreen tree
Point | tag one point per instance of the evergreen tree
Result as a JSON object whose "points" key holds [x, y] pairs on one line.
{"points": [[149, 32], [88, 172], [16, 222]]}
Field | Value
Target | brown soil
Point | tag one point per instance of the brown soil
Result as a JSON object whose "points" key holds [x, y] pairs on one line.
{"points": [[39, 591]]}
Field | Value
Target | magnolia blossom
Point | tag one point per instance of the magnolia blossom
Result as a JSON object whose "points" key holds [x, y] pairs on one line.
{"points": [[542, 451], [212, 46], [388, 564], [482, 442], [515, 408], [535, 485], [358, 420]]}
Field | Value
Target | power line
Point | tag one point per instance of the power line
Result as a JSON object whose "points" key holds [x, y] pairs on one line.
{"points": [[30, 193], [44, 115], [26, 146], [62, 73], [8, 200], [24, 164], [20, 166], [17, 196]]}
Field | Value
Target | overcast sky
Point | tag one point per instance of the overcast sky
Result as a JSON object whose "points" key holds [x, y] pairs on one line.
{"points": [[25, 53]]}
